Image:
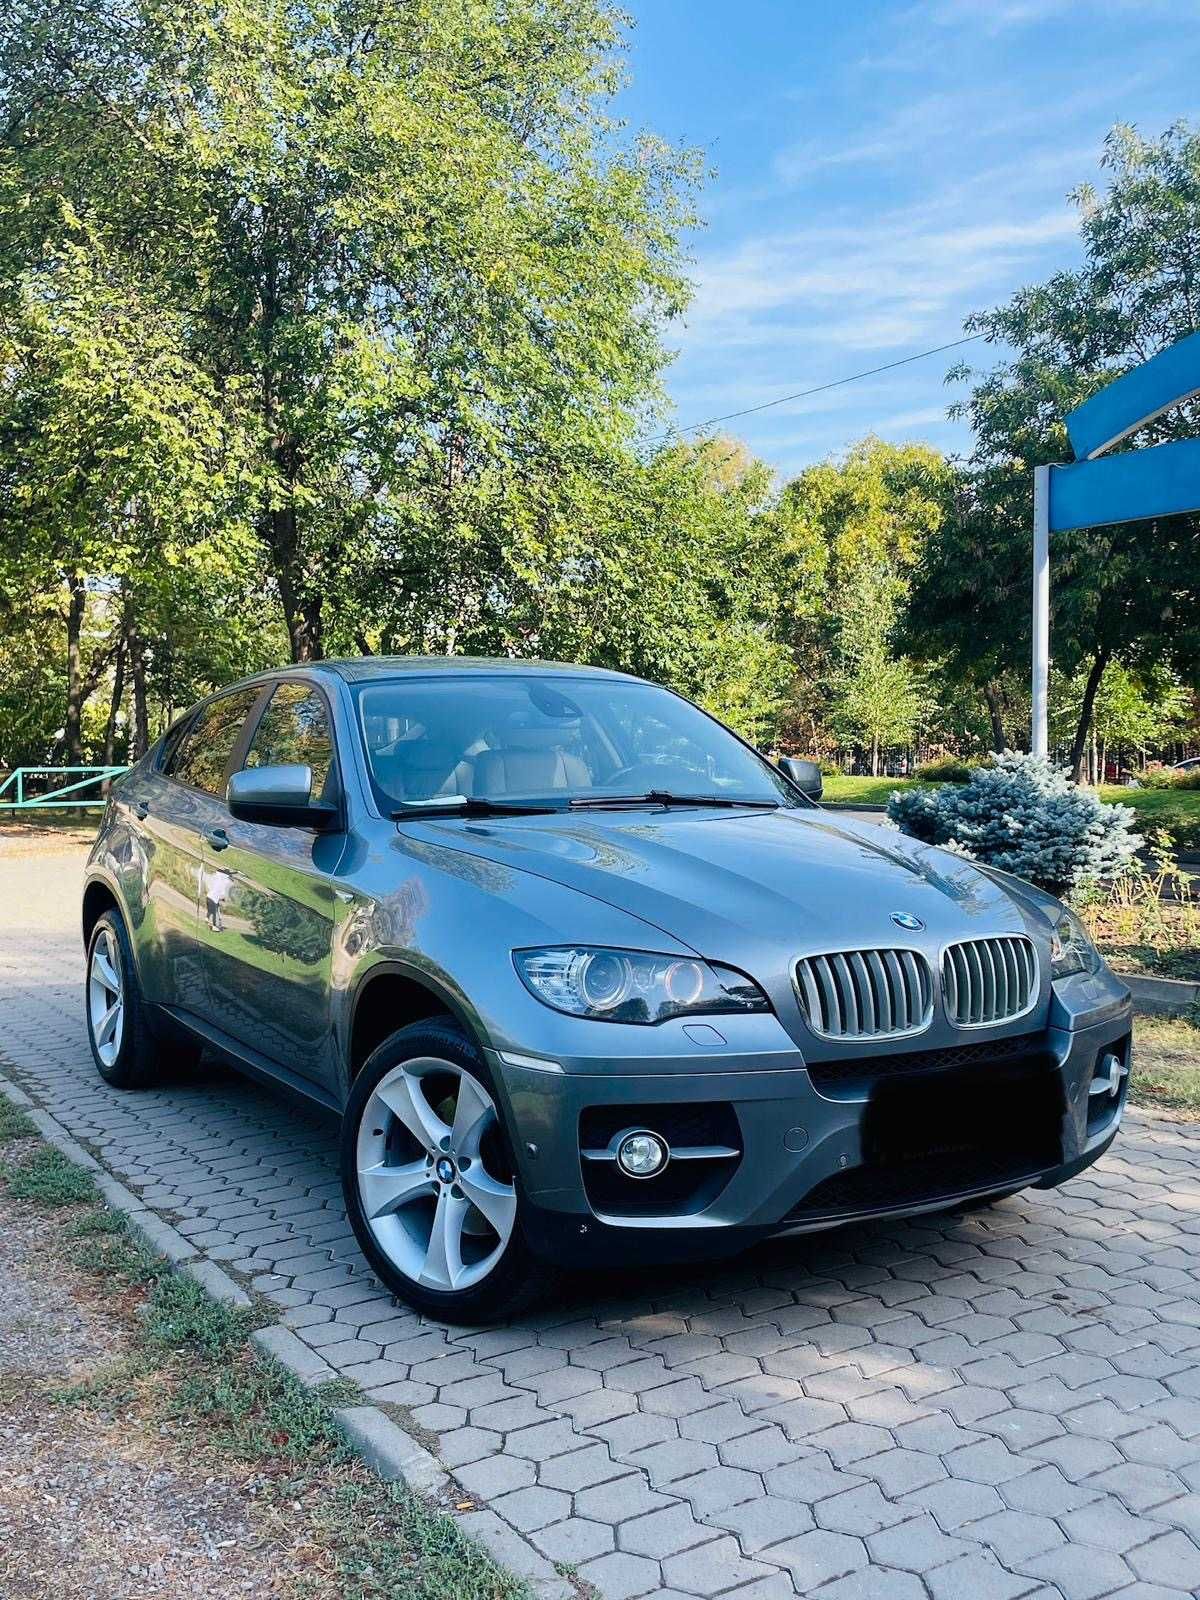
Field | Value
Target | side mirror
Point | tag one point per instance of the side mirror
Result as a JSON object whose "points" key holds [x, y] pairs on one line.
{"points": [[805, 775], [279, 795]]}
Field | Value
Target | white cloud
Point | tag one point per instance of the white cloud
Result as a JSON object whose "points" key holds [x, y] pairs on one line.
{"points": [[897, 272]]}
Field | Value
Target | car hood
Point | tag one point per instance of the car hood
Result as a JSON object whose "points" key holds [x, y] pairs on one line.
{"points": [[734, 885]]}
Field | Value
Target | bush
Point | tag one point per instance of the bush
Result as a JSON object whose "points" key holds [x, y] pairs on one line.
{"points": [[1026, 817], [1169, 778], [946, 769]]}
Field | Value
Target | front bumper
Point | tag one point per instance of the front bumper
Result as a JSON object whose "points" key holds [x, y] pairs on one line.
{"points": [[817, 1145]]}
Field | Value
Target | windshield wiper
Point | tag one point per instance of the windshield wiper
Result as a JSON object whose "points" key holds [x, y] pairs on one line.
{"points": [[666, 797], [469, 805]]}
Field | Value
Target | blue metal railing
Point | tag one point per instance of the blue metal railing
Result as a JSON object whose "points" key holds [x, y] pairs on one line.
{"points": [[52, 799]]}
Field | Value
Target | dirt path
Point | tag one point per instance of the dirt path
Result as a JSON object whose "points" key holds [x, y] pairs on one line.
{"points": [[92, 1504]]}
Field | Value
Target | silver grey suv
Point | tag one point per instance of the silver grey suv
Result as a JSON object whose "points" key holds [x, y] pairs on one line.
{"points": [[587, 978]]}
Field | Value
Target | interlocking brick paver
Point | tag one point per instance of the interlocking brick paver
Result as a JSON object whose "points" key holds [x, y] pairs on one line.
{"points": [[818, 1557], [992, 1404], [764, 1521], [663, 1533], [574, 1540], [1171, 1559], [711, 1568], [620, 1576]]}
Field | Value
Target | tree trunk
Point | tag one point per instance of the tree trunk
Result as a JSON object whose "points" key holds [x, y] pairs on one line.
{"points": [[114, 706], [1082, 729], [139, 741], [874, 755], [992, 696], [73, 726]]}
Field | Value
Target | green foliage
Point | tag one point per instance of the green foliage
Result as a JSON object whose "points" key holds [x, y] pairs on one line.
{"points": [[1026, 817], [1171, 778], [850, 535]]}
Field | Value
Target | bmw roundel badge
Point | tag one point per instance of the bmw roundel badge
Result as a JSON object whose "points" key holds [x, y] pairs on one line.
{"points": [[905, 919]]}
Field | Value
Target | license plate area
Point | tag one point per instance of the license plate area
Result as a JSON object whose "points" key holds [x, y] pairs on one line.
{"points": [[1004, 1118]]}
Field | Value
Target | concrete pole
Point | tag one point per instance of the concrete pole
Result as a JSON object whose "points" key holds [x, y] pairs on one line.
{"points": [[1041, 610]]}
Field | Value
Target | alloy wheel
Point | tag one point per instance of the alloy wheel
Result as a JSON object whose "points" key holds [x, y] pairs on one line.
{"points": [[106, 998], [435, 1188]]}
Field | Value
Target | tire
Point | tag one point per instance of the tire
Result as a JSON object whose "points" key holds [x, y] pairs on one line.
{"points": [[118, 1022], [430, 1184]]}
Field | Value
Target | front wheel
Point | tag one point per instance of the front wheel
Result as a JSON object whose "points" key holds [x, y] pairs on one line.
{"points": [[431, 1187]]}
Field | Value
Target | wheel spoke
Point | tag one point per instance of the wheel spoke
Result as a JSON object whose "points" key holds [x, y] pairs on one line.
{"points": [[473, 1112], [497, 1201], [443, 1259], [103, 969], [404, 1098], [385, 1189], [106, 1027]]}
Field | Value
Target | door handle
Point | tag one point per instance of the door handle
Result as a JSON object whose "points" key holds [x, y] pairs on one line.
{"points": [[217, 838], [141, 810]]}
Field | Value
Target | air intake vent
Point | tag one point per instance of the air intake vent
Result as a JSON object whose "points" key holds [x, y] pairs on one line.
{"points": [[865, 994], [989, 980]]}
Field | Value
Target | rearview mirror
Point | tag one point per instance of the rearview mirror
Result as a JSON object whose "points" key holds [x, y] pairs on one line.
{"points": [[805, 775], [279, 795]]}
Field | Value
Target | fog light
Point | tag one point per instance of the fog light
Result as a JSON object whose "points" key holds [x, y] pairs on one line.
{"points": [[642, 1154]]}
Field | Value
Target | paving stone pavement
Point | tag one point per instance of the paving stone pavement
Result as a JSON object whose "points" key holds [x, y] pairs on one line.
{"points": [[957, 1407]]}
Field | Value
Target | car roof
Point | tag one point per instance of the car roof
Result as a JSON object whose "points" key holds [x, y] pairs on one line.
{"points": [[365, 669]]}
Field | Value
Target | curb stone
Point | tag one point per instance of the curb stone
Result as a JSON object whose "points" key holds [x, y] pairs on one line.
{"points": [[54, 1133], [305, 1365], [381, 1443], [217, 1284], [389, 1451], [511, 1550], [1161, 997], [160, 1236]]}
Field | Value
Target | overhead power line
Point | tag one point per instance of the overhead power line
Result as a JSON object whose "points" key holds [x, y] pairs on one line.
{"points": [[820, 388]]}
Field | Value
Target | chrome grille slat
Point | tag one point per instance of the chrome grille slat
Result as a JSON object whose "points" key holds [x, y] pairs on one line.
{"points": [[865, 994], [989, 980]]}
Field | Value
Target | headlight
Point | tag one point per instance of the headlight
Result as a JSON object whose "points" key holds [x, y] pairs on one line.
{"points": [[1070, 948], [629, 986]]}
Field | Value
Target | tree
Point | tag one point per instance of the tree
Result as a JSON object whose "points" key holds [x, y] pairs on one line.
{"points": [[118, 463], [410, 238], [1129, 594], [850, 534]]}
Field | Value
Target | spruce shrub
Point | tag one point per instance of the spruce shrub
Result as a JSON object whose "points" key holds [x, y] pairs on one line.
{"points": [[1026, 817]]}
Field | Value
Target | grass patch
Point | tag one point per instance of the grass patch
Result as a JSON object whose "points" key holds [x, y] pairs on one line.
{"points": [[1166, 1063], [48, 1179], [14, 1123], [189, 1382], [431, 1559], [865, 791]]}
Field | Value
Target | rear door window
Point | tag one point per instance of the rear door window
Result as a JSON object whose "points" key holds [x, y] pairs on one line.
{"points": [[202, 758], [294, 730]]}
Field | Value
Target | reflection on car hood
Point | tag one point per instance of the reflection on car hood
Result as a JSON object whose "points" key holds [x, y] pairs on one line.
{"points": [[724, 881]]}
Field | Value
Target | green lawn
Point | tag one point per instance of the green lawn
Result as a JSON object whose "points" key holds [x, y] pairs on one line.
{"points": [[863, 791]]}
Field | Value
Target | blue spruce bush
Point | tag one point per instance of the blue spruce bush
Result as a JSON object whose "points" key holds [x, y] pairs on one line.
{"points": [[1026, 817]]}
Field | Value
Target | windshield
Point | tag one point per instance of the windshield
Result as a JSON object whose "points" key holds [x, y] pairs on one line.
{"points": [[513, 738]]}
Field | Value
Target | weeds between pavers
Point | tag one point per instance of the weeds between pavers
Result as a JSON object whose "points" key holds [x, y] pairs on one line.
{"points": [[190, 1376]]}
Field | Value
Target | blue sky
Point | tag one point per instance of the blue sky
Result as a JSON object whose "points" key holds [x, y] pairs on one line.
{"points": [[883, 167]]}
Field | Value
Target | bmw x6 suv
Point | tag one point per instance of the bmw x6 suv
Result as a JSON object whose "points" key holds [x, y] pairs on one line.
{"points": [[587, 979]]}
